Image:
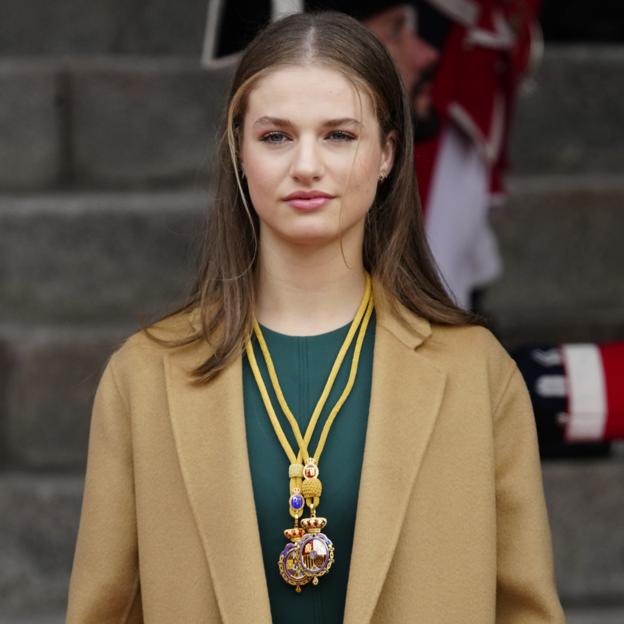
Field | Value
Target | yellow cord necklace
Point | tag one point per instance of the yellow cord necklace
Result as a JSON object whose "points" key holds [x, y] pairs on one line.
{"points": [[310, 553]]}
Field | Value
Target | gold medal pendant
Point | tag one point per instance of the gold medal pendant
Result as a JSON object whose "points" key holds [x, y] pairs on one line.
{"points": [[309, 553]]}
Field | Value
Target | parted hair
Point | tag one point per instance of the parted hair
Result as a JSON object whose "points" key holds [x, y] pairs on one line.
{"points": [[395, 249]]}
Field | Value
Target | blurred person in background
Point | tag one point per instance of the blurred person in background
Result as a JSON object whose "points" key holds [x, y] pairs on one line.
{"points": [[485, 49]]}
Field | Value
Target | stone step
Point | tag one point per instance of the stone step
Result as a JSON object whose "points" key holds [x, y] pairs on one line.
{"points": [[560, 237], [34, 618], [103, 257], [39, 520], [38, 27], [38, 525], [50, 376], [597, 615], [111, 121], [571, 120], [33, 123], [108, 122], [586, 510]]}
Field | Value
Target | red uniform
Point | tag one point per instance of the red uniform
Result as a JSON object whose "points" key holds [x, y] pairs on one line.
{"points": [[484, 57]]}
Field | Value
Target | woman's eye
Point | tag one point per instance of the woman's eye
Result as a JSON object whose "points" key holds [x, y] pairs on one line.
{"points": [[340, 135], [274, 137]]}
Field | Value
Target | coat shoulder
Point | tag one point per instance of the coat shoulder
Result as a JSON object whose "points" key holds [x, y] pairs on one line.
{"points": [[468, 341], [150, 344], [469, 352]]}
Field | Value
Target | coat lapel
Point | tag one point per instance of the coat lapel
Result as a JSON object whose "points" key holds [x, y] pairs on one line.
{"points": [[209, 431], [405, 399]]}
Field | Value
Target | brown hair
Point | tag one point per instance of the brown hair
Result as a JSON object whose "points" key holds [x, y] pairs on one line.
{"points": [[395, 249]]}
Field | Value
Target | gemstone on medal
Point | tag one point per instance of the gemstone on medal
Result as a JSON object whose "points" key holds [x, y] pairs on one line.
{"points": [[316, 554], [296, 501], [290, 567]]}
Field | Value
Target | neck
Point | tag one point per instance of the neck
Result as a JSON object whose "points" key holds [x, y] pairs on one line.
{"points": [[307, 292]]}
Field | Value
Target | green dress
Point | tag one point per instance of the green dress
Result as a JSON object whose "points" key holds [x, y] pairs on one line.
{"points": [[303, 364]]}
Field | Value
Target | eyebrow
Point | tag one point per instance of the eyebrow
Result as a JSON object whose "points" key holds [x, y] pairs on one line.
{"points": [[330, 123]]}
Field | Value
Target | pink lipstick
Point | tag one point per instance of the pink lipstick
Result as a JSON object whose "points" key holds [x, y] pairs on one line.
{"points": [[308, 200]]}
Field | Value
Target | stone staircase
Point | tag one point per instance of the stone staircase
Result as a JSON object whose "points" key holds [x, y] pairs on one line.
{"points": [[107, 127]]}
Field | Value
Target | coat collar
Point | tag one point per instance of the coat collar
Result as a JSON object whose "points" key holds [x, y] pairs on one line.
{"points": [[410, 329], [209, 430]]}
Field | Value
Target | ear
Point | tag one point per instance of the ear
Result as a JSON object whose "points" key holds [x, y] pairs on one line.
{"points": [[387, 153]]}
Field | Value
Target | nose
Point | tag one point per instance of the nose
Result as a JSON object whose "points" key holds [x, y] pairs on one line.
{"points": [[424, 54], [307, 164]]}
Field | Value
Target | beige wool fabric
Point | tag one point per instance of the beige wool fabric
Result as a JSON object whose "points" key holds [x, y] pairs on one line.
{"points": [[451, 524]]}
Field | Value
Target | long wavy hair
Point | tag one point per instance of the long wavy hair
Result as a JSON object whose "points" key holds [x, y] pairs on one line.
{"points": [[395, 249]]}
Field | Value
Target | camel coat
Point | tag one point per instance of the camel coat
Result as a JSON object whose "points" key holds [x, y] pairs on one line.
{"points": [[451, 525]]}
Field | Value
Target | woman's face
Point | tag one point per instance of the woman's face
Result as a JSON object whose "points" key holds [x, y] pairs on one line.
{"points": [[312, 155]]}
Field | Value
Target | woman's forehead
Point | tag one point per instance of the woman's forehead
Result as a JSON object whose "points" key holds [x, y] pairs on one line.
{"points": [[306, 92]]}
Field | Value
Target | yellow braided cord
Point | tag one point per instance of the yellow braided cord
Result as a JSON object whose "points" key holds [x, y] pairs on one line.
{"points": [[367, 300], [303, 442], [352, 374], [267, 404], [277, 388]]}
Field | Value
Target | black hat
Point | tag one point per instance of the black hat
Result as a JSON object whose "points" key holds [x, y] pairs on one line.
{"points": [[232, 24], [360, 10], [433, 25], [434, 16]]}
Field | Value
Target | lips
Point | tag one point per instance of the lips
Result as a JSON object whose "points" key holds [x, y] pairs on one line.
{"points": [[308, 200]]}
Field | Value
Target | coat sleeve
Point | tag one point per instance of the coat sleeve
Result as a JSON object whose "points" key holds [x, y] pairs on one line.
{"points": [[104, 586], [525, 591]]}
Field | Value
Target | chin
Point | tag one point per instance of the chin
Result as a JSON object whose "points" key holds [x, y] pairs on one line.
{"points": [[311, 237], [310, 234], [320, 229]]}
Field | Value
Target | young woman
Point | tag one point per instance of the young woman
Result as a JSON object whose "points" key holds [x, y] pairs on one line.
{"points": [[319, 435]]}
